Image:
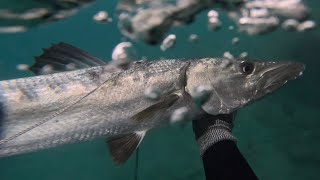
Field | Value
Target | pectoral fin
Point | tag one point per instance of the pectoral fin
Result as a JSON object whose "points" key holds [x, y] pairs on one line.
{"points": [[63, 57], [122, 147], [156, 109]]}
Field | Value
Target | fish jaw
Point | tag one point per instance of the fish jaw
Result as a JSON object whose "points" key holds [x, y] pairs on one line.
{"points": [[277, 75]]}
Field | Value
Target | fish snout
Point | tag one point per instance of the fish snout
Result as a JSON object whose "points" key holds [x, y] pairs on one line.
{"points": [[276, 75]]}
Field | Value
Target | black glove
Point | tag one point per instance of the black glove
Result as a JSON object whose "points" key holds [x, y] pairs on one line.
{"points": [[210, 129]]}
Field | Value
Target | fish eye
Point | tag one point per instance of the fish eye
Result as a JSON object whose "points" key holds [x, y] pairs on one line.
{"points": [[246, 68]]}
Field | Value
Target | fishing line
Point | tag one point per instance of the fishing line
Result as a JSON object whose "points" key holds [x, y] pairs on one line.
{"points": [[136, 167], [48, 118]]}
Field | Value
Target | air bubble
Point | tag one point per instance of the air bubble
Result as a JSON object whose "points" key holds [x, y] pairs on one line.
{"points": [[123, 54], [306, 25], [235, 41], [243, 55], [201, 94], [22, 67], [225, 63], [193, 38], [152, 93], [71, 66], [180, 115], [228, 55], [13, 29], [47, 69], [102, 17], [168, 42], [300, 73], [213, 14], [290, 25]]}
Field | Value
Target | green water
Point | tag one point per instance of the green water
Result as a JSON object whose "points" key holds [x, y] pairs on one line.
{"points": [[278, 135]]}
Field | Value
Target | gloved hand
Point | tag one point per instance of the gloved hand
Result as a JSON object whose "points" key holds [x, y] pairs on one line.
{"points": [[210, 129]]}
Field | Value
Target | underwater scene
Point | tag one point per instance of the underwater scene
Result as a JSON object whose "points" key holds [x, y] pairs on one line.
{"points": [[95, 71]]}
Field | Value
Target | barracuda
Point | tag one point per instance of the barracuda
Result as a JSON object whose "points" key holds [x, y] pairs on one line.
{"points": [[99, 100]]}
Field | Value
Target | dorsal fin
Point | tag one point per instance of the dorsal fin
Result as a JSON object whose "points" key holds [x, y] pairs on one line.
{"points": [[122, 147], [63, 57]]}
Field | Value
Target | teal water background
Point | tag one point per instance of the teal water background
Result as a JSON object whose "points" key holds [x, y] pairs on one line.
{"points": [[278, 135]]}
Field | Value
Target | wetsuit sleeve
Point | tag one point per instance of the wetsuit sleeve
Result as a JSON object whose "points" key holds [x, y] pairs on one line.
{"points": [[221, 157], [224, 161]]}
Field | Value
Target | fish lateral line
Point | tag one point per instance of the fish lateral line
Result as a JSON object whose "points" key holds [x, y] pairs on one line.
{"points": [[47, 119]]}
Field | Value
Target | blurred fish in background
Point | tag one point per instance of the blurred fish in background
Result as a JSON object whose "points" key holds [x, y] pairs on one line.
{"points": [[19, 16], [149, 21]]}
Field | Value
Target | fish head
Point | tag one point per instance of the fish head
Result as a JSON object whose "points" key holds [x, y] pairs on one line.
{"points": [[235, 83], [273, 75]]}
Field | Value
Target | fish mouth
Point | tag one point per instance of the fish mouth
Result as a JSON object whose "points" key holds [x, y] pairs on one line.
{"points": [[276, 75]]}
